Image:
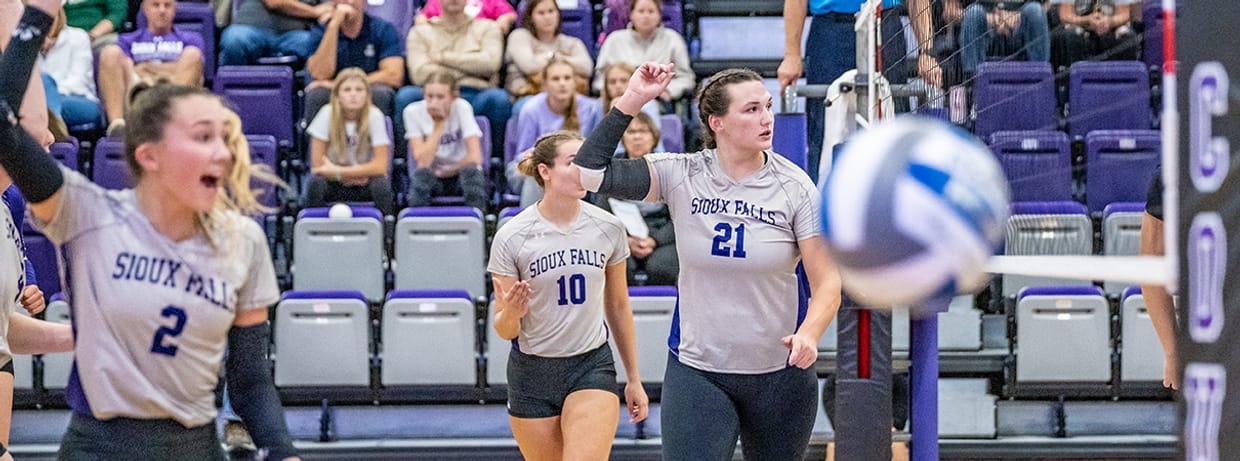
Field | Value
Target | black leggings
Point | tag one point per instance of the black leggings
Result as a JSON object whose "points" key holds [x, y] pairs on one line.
{"points": [[704, 412]]}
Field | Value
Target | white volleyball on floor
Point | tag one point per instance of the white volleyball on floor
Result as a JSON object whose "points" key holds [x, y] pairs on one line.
{"points": [[911, 210]]}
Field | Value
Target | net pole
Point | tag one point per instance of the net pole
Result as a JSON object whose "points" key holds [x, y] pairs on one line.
{"points": [[1170, 149]]}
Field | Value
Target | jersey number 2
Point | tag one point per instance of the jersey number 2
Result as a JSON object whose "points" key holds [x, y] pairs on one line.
{"points": [[158, 346], [572, 289], [723, 241]]}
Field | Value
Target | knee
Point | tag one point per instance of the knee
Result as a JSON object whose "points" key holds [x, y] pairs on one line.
{"points": [[1033, 10], [974, 15], [236, 37], [408, 95], [190, 55], [111, 55]]}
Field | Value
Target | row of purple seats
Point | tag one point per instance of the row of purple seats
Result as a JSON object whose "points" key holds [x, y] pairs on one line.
{"points": [[1038, 164], [1021, 96]]}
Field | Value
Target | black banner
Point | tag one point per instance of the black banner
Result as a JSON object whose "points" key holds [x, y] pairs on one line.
{"points": [[1209, 347]]}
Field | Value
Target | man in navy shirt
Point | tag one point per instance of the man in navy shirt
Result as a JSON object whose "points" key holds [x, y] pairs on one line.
{"points": [[352, 38]]}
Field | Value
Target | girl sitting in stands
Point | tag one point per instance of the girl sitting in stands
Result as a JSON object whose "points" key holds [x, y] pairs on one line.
{"points": [[350, 148]]}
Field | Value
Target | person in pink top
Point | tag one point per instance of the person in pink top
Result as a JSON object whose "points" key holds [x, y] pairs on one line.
{"points": [[499, 11]]}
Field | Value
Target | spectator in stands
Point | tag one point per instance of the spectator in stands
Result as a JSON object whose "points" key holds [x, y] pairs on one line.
{"points": [[271, 27], [1016, 28], [831, 50], [1158, 301], [646, 40], [1100, 29], [615, 80], [69, 74], [33, 110], [101, 19], [535, 44], [161, 52], [558, 107], [655, 253], [352, 38], [445, 144], [349, 147], [499, 11], [468, 49]]}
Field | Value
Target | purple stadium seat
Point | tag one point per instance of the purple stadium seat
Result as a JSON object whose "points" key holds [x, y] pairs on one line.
{"points": [[673, 132], [66, 152], [1038, 164], [617, 16], [1108, 95], [264, 151], [1119, 165], [110, 169], [42, 255], [398, 12], [510, 141], [1014, 96], [200, 18], [263, 97]]}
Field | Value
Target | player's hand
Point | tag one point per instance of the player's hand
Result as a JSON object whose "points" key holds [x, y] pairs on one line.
{"points": [[1170, 378], [517, 299], [789, 71], [648, 82], [343, 11], [32, 299], [1099, 24], [804, 351], [636, 401]]}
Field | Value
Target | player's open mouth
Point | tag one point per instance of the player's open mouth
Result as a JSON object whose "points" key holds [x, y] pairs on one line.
{"points": [[765, 134], [210, 181]]}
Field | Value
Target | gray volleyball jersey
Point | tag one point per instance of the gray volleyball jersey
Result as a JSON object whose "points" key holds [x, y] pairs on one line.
{"points": [[737, 243], [566, 270], [151, 316], [12, 276]]}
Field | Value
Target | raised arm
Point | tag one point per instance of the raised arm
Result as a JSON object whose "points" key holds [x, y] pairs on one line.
{"points": [[21, 156], [622, 178]]}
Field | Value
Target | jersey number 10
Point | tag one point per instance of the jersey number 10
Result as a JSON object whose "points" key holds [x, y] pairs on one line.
{"points": [[723, 241], [572, 289]]}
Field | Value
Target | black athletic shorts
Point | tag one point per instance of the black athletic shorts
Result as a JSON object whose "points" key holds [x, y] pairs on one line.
{"points": [[537, 386], [8, 367], [90, 439]]}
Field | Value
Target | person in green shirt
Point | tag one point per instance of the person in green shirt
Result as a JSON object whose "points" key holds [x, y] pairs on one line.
{"points": [[102, 19]]}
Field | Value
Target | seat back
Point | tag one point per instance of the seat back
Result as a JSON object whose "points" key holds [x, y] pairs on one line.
{"points": [[429, 338], [1063, 334], [264, 151], [1141, 354], [110, 170], [1121, 234], [440, 248], [398, 12], [1152, 40], [1046, 228], [497, 351], [322, 339], [198, 18], [506, 214], [42, 255], [1038, 164], [1119, 165], [56, 367], [319, 242], [1108, 95], [673, 133], [1014, 96], [263, 97], [66, 153], [653, 310]]}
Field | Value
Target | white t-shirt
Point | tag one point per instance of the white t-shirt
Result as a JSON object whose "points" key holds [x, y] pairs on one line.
{"points": [[459, 125], [320, 127]]}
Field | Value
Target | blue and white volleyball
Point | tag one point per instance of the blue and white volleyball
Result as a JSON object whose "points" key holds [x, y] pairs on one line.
{"points": [[911, 210]]}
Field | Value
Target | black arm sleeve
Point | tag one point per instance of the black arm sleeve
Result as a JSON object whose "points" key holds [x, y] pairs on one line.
{"points": [[252, 392], [34, 172], [622, 178]]}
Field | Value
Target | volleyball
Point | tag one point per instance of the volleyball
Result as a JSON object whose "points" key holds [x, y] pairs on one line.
{"points": [[911, 210]]}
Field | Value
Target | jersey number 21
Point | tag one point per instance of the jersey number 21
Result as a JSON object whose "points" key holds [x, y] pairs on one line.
{"points": [[723, 241]]}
